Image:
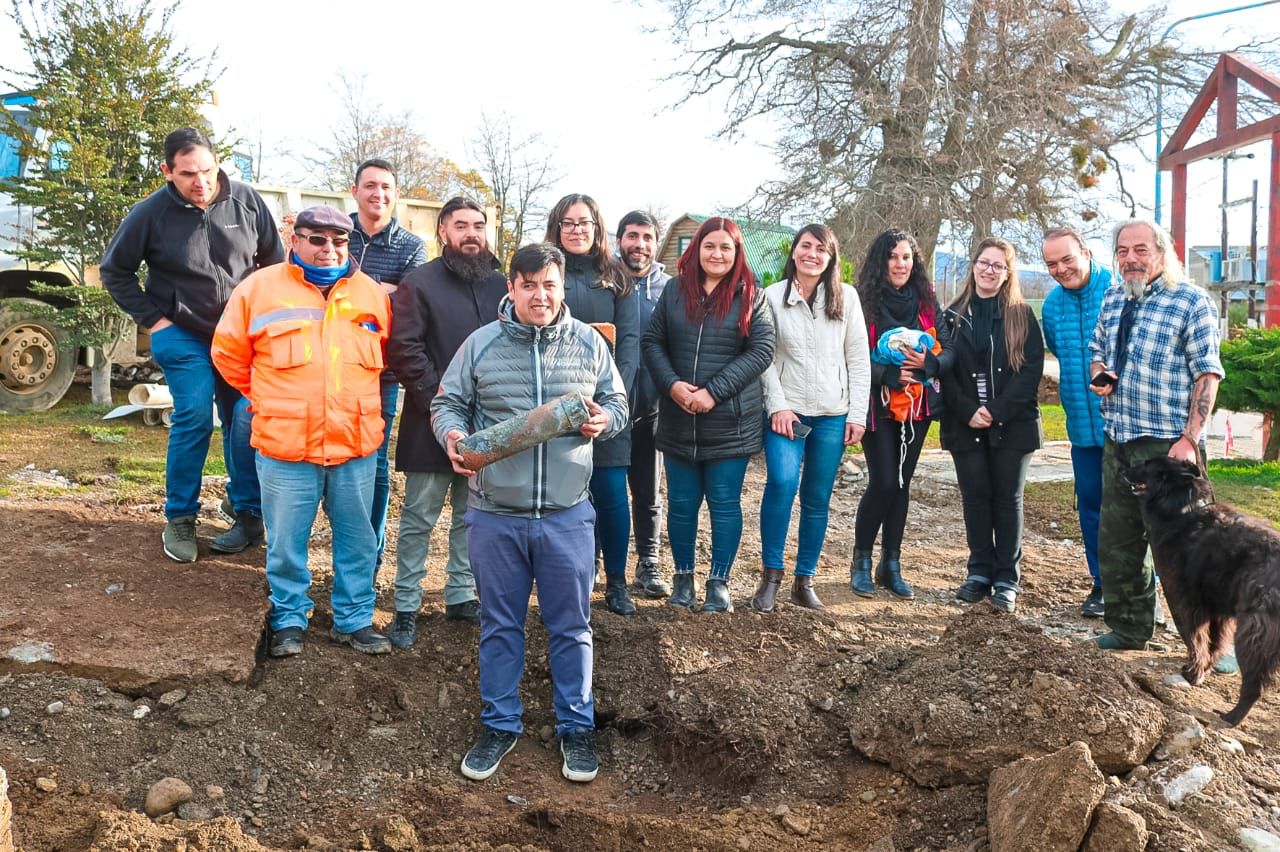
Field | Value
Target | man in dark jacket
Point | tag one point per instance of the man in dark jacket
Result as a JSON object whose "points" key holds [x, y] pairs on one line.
{"points": [[385, 252], [638, 237], [199, 234], [436, 307]]}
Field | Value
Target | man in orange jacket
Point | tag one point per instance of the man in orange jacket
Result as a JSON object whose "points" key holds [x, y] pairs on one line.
{"points": [[303, 340]]}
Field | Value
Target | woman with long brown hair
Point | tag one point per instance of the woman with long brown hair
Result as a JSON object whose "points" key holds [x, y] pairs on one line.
{"points": [[991, 422]]}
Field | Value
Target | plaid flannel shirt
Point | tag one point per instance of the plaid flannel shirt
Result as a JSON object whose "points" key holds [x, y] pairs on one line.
{"points": [[1173, 341]]}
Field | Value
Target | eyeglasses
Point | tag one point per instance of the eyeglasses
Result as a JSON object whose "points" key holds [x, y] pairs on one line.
{"points": [[570, 225], [994, 266], [319, 240]]}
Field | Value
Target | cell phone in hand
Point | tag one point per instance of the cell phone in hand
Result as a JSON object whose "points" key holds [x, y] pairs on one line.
{"points": [[800, 430], [1103, 380]]}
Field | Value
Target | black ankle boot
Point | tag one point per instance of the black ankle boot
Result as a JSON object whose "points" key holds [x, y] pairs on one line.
{"points": [[681, 590], [246, 531], [617, 598], [718, 599], [767, 592], [802, 593], [860, 574], [889, 575]]}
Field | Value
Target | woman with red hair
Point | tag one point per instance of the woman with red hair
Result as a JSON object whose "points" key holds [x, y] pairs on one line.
{"points": [[710, 339]]}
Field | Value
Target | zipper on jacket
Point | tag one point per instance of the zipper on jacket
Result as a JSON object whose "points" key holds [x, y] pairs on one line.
{"points": [[697, 350], [539, 458]]}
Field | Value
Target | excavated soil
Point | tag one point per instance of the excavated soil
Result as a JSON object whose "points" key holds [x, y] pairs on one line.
{"points": [[873, 724]]}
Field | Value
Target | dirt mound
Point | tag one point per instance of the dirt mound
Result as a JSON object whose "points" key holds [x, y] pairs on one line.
{"points": [[123, 831], [993, 690]]}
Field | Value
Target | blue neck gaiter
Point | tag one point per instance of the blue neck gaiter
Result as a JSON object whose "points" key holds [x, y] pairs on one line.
{"points": [[321, 276]]}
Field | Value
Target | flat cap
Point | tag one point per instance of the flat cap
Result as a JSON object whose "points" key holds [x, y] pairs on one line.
{"points": [[322, 216]]}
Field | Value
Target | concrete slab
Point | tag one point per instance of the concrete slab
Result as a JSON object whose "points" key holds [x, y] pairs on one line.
{"points": [[86, 590]]}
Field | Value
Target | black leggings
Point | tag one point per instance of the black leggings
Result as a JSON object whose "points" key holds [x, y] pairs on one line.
{"points": [[884, 503]]}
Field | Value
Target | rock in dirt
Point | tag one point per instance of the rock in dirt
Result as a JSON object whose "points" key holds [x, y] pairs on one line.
{"points": [[119, 830], [1254, 839], [1183, 736], [1043, 804], [6, 814], [1176, 789], [399, 835], [920, 716], [214, 792], [796, 824], [1116, 829], [46, 785], [172, 697], [55, 707], [194, 811], [165, 795]]}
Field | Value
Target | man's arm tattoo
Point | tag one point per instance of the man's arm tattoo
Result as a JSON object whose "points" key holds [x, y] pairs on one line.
{"points": [[1203, 395]]}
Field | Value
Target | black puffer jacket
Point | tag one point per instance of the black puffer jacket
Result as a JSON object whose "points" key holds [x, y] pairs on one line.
{"points": [[1013, 407], [710, 354]]}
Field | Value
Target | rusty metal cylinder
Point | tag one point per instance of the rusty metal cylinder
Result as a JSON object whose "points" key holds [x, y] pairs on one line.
{"points": [[561, 416]]}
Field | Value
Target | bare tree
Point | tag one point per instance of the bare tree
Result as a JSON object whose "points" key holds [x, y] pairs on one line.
{"points": [[518, 170], [925, 112]]}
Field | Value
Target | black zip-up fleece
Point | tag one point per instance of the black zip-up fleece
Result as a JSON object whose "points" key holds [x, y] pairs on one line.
{"points": [[194, 257]]}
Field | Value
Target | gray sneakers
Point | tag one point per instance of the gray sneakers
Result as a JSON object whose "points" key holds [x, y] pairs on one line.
{"points": [[179, 539], [483, 758], [366, 640]]}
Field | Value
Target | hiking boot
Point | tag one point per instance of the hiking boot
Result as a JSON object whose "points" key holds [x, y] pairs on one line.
{"points": [[860, 574], [179, 539], [1112, 642], [973, 590], [483, 758], [246, 531], [1005, 599], [649, 579], [717, 599], [286, 642], [366, 640], [681, 590], [889, 575], [404, 632], [767, 592], [1093, 606], [802, 593], [617, 598], [465, 611], [579, 751]]}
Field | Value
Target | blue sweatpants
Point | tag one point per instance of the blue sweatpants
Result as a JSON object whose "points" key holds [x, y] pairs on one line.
{"points": [[508, 556]]}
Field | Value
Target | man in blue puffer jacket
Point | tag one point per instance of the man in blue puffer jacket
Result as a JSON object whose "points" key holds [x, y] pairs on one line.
{"points": [[1069, 317]]}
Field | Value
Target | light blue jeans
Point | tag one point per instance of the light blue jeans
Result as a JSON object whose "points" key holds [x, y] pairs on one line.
{"points": [[807, 465], [291, 494], [720, 483]]}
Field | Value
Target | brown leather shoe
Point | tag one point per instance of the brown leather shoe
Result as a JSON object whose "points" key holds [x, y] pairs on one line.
{"points": [[802, 594], [767, 592]]}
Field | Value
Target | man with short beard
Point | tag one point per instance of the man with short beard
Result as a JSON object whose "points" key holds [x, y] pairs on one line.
{"points": [[436, 308], [1154, 361]]}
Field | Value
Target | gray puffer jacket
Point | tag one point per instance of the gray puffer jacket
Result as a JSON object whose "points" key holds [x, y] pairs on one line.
{"points": [[506, 369]]}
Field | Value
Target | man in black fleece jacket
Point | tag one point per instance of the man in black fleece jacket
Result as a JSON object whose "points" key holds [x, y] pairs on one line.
{"points": [[199, 235]]}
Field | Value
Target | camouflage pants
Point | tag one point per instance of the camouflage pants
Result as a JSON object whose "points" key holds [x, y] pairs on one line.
{"points": [[1128, 580]]}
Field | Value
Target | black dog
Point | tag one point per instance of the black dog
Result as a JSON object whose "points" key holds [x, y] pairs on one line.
{"points": [[1217, 566]]}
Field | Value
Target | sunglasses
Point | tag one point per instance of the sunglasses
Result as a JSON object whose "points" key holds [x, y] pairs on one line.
{"points": [[319, 240]]}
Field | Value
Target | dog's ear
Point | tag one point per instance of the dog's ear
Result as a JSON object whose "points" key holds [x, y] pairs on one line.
{"points": [[1187, 471]]}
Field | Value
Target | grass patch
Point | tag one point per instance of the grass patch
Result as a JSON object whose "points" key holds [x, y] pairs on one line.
{"points": [[1251, 486]]}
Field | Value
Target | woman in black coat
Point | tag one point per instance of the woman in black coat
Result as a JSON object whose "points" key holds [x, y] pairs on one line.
{"points": [[596, 292], [710, 339], [991, 422]]}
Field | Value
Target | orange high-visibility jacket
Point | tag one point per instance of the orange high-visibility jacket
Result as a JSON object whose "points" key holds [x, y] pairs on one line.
{"points": [[309, 365]]}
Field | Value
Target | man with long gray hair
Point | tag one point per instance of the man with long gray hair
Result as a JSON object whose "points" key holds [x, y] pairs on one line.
{"points": [[1154, 361]]}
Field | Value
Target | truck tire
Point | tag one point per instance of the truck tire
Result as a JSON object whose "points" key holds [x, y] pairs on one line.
{"points": [[37, 363]]}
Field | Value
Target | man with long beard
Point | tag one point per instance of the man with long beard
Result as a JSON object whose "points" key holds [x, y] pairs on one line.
{"points": [[1154, 361], [436, 308]]}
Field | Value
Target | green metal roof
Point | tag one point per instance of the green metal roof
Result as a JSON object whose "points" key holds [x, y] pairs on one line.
{"points": [[763, 240]]}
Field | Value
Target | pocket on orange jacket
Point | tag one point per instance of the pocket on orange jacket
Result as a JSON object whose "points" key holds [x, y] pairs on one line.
{"points": [[368, 349], [280, 428], [371, 424], [290, 344]]}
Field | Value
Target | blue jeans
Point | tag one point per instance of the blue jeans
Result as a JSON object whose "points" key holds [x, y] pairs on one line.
{"points": [[613, 517], [291, 494], [196, 387], [382, 478], [1086, 464], [720, 482], [807, 465], [508, 556]]}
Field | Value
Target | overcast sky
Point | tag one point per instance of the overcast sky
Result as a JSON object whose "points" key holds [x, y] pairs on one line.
{"points": [[587, 74]]}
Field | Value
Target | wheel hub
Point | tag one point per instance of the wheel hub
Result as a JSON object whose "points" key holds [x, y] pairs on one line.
{"points": [[28, 357]]}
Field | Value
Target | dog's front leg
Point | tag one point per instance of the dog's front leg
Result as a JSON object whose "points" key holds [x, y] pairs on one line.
{"points": [[1194, 627]]}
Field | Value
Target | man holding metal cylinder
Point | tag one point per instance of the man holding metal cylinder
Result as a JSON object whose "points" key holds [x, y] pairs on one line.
{"points": [[528, 516]]}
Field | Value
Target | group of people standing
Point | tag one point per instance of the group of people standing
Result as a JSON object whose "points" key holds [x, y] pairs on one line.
{"points": [[690, 375]]}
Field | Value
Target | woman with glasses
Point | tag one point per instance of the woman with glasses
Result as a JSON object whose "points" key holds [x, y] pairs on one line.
{"points": [[991, 423], [815, 394], [710, 339], [596, 292], [898, 305]]}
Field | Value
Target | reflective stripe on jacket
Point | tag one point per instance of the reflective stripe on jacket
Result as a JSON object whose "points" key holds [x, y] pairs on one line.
{"points": [[309, 365]]}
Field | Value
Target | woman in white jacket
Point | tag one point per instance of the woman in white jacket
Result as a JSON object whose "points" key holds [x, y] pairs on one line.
{"points": [[816, 394]]}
